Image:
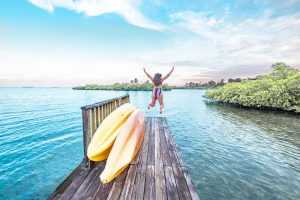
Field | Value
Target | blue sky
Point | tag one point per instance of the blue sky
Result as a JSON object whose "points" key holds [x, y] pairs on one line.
{"points": [[67, 43]]}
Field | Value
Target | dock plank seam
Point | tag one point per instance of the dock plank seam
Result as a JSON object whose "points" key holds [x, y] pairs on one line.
{"points": [[160, 186], [157, 172], [139, 185]]}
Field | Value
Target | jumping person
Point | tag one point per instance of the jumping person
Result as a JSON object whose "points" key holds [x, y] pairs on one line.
{"points": [[157, 91]]}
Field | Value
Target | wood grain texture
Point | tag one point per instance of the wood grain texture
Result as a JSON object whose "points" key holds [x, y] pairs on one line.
{"points": [[160, 186], [158, 172], [151, 146], [150, 183], [142, 165], [171, 187], [181, 183], [128, 188], [117, 187], [86, 184]]}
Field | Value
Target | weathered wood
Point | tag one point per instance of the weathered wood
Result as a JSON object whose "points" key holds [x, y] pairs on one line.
{"points": [[172, 141], [160, 187], [103, 191], [93, 126], [101, 114], [182, 187], [69, 192], [117, 187], [150, 183], [166, 178], [129, 183], [106, 110], [97, 118], [163, 144], [92, 192], [190, 184], [171, 187], [142, 165], [85, 128], [86, 184], [135, 161], [110, 107], [103, 102], [151, 146]]}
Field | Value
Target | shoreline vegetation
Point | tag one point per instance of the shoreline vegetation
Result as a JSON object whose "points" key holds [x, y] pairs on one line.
{"points": [[133, 85], [279, 90], [136, 85]]}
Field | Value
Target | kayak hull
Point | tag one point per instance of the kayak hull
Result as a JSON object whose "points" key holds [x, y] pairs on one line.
{"points": [[126, 146], [104, 137]]}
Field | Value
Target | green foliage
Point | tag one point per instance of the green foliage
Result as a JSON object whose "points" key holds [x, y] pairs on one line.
{"points": [[278, 90], [134, 85]]}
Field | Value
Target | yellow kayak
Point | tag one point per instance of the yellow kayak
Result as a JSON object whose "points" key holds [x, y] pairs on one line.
{"points": [[107, 132], [126, 146]]}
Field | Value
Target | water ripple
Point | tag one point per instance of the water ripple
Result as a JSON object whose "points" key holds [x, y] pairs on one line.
{"points": [[231, 153]]}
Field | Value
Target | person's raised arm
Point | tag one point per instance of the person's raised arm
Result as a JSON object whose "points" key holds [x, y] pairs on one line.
{"points": [[149, 76], [167, 76]]}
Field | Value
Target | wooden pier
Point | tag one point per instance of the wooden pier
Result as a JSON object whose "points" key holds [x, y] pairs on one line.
{"points": [[157, 172]]}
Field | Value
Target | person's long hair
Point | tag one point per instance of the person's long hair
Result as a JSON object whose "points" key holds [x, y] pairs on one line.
{"points": [[157, 79]]}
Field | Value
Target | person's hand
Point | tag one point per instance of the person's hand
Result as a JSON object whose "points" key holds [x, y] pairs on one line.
{"points": [[173, 68], [144, 69]]}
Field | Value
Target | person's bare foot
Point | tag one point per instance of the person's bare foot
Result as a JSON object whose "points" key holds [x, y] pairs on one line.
{"points": [[161, 108], [149, 107]]}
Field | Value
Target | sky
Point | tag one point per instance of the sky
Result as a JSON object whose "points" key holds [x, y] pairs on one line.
{"points": [[75, 42]]}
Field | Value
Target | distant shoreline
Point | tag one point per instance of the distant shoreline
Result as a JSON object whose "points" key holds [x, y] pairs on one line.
{"points": [[133, 87]]}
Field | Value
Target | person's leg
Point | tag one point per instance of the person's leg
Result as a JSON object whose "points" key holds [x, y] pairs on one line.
{"points": [[160, 99], [152, 104]]}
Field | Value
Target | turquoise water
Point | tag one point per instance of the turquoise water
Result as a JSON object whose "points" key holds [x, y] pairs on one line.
{"points": [[230, 153]]}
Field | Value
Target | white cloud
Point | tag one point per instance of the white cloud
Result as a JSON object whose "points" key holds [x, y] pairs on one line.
{"points": [[128, 9], [246, 47]]}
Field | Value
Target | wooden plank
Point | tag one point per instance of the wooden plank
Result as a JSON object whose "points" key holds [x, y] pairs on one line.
{"points": [[97, 118], [92, 190], [85, 128], [166, 178], [69, 192], [106, 110], [135, 161], [190, 184], [151, 146], [129, 183], [86, 184], [181, 183], [163, 144], [176, 149], [142, 166], [172, 192], [160, 186], [93, 121], [101, 114], [109, 109], [149, 193], [117, 186], [193, 192], [103, 102], [103, 191]]}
